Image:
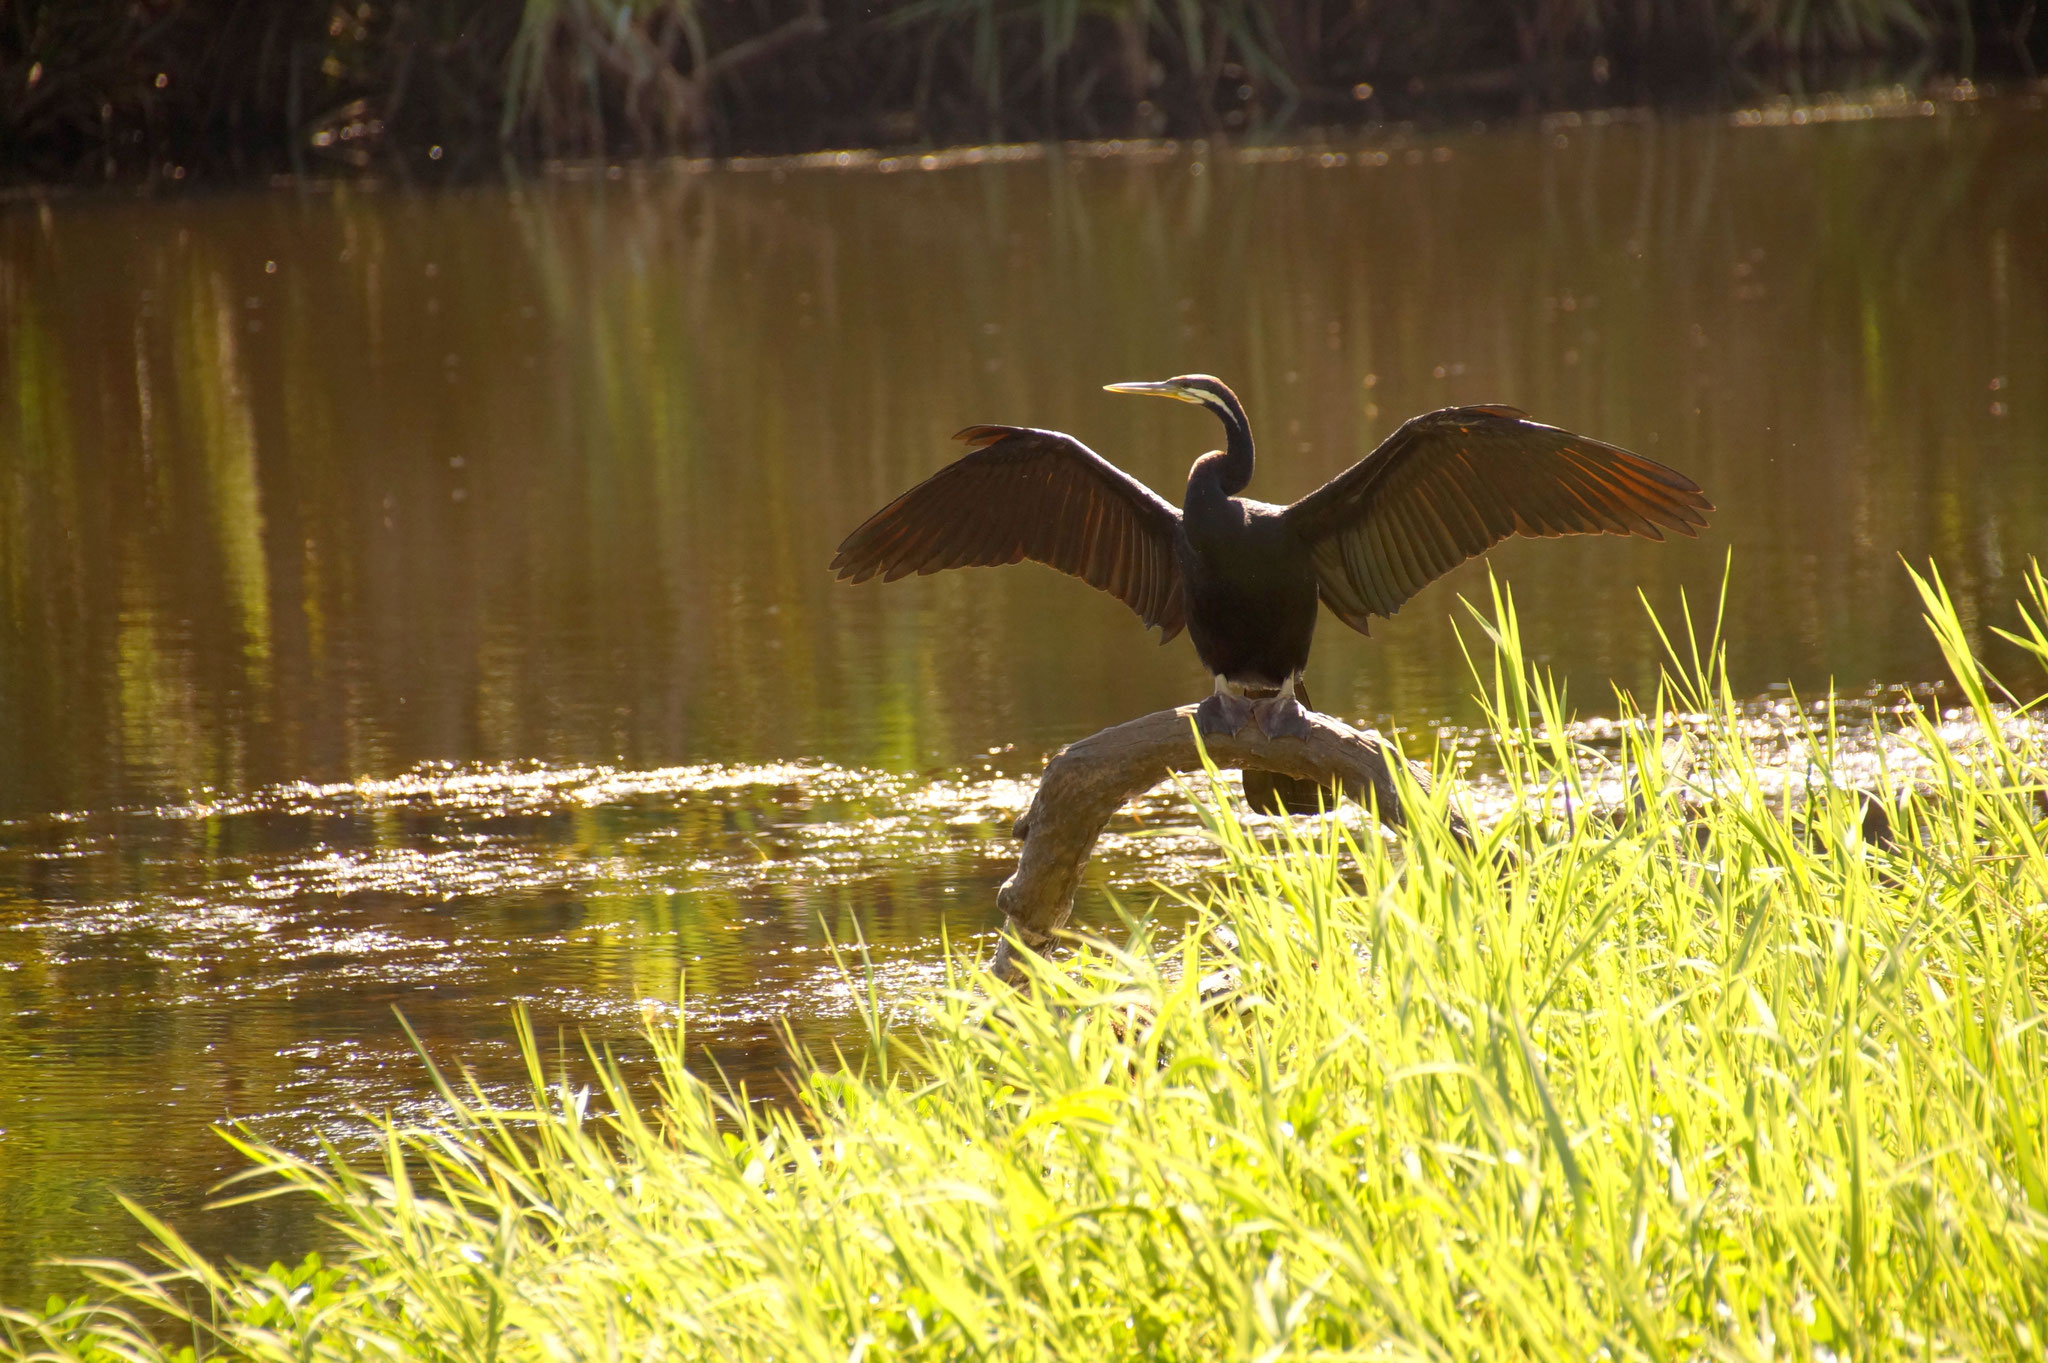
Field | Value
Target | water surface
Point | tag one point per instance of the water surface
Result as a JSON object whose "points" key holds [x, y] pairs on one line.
{"points": [[418, 601]]}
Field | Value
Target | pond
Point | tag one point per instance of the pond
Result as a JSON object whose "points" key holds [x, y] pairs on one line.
{"points": [[416, 603]]}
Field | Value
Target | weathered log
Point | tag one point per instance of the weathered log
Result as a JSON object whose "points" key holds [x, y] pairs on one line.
{"points": [[1089, 780]]}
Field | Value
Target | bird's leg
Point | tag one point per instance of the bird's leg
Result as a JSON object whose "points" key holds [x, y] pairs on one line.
{"points": [[1282, 716], [1223, 713]]}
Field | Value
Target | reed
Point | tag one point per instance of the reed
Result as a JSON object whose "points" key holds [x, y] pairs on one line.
{"points": [[108, 89], [1677, 1061]]}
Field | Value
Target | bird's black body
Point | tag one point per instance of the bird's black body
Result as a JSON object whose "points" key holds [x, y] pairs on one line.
{"points": [[1248, 581], [1251, 589], [1244, 577]]}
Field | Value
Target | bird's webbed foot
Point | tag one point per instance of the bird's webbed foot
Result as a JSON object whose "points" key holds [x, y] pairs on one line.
{"points": [[1281, 717], [1222, 715]]}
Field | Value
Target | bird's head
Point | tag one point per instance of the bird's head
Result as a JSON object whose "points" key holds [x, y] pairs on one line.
{"points": [[1204, 389], [1231, 466]]}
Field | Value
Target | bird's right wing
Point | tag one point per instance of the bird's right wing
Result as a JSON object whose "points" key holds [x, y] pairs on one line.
{"points": [[1030, 494]]}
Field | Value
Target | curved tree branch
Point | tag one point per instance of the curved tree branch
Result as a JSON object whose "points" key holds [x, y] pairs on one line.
{"points": [[1089, 780]]}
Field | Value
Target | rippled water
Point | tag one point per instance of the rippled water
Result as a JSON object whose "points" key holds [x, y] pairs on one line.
{"points": [[244, 957], [418, 602]]}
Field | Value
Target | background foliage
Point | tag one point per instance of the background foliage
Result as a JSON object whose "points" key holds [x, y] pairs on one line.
{"points": [[95, 89]]}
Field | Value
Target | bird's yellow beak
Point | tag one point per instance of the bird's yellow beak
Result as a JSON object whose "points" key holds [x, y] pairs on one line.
{"points": [[1165, 388]]}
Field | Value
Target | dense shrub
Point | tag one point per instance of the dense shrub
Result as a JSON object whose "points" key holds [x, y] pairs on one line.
{"points": [[125, 88]]}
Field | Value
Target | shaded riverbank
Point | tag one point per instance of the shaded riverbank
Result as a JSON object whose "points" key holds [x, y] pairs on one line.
{"points": [[219, 90]]}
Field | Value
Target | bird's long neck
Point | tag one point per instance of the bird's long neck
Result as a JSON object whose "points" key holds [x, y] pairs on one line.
{"points": [[1233, 470]]}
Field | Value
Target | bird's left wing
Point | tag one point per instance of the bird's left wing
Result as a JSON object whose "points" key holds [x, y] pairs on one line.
{"points": [[1449, 484], [1040, 495]]}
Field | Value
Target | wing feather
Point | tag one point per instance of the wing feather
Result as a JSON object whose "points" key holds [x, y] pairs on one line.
{"points": [[1023, 493], [1450, 484]]}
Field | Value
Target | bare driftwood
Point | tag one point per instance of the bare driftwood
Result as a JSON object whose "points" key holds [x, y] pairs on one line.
{"points": [[1088, 781]]}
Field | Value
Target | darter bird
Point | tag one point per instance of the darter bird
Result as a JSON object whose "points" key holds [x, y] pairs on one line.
{"points": [[1243, 576]]}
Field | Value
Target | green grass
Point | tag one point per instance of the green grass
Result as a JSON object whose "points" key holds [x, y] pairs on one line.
{"points": [[1698, 1072]]}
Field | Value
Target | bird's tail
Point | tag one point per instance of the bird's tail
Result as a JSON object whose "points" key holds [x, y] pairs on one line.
{"points": [[1268, 792]]}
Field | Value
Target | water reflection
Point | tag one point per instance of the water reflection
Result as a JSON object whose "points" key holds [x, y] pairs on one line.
{"points": [[318, 487], [321, 487]]}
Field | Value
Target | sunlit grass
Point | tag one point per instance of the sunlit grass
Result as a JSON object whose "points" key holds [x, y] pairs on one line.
{"points": [[1701, 1072]]}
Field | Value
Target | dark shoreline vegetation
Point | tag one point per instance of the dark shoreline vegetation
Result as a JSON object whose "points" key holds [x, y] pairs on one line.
{"points": [[1677, 1061], [220, 90]]}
